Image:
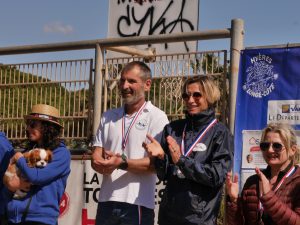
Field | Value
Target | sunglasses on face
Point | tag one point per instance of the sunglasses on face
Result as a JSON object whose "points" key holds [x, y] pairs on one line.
{"points": [[195, 95], [32, 124], [265, 146]]}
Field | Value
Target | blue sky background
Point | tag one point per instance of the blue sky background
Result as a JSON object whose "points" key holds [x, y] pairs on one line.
{"points": [[267, 22]]}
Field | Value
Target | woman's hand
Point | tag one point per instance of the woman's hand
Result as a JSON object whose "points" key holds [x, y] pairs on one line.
{"points": [[174, 149], [14, 182], [232, 186], [154, 149], [263, 181]]}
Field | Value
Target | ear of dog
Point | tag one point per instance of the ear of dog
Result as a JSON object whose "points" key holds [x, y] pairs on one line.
{"points": [[34, 157], [30, 158], [49, 155], [26, 155]]}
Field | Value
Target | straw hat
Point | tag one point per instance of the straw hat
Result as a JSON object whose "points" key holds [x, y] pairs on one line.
{"points": [[45, 113]]}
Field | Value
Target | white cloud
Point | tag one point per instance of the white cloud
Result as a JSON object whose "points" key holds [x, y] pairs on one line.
{"points": [[58, 27]]}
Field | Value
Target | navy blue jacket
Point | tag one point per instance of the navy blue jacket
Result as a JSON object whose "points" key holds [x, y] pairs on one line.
{"points": [[6, 152], [48, 186], [196, 198]]}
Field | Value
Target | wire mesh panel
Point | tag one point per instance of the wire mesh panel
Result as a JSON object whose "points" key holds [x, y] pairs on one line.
{"points": [[65, 85], [168, 75]]}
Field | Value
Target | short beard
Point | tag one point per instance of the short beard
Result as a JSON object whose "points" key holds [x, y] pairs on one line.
{"points": [[133, 99]]}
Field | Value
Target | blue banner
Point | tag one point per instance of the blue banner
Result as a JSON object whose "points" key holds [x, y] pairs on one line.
{"points": [[268, 91]]}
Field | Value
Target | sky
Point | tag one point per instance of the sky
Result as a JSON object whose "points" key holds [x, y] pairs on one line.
{"points": [[26, 22]]}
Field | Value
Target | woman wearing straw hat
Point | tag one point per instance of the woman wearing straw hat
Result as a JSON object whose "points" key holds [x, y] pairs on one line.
{"points": [[41, 204]]}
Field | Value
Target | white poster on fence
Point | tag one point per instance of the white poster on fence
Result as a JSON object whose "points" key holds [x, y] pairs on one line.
{"points": [[129, 18], [79, 203], [252, 156]]}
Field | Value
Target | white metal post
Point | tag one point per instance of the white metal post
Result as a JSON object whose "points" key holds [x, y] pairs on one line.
{"points": [[98, 88], [236, 45]]}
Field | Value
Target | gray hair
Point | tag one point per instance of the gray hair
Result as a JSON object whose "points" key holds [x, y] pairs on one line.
{"points": [[145, 70]]}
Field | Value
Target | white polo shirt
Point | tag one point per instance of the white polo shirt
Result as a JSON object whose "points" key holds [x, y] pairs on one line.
{"points": [[121, 185]]}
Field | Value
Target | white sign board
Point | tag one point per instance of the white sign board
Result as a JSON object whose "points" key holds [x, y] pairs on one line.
{"points": [[129, 18], [284, 111], [252, 156], [79, 206]]}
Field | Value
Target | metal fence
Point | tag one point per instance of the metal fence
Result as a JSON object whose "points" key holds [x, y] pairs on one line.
{"points": [[168, 75], [67, 85]]}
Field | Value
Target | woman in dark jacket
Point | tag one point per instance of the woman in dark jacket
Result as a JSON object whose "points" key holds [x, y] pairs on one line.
{"points": [[271, 196], [194, 157]]}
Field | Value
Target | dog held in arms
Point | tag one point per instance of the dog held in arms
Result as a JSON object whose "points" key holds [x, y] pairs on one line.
{"points": [[37, 157]]}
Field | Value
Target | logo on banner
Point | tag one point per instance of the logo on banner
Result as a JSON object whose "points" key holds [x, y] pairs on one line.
{"points": [[64, 204], [291, 108], [260, 77]]}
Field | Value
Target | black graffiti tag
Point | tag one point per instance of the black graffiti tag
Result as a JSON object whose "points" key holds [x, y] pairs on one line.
{"points": [[160, 26], [137, 1]]}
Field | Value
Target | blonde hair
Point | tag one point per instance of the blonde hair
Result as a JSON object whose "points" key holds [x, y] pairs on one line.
{"points": [[210, 89], [287, 135]]}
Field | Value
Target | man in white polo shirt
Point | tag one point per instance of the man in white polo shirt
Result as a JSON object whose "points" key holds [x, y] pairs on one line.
{"points": [[128, 186]]}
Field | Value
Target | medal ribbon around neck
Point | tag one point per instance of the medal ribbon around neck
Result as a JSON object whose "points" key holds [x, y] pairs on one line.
{"points": [[198, 139], [125, 137], [289, 173]]}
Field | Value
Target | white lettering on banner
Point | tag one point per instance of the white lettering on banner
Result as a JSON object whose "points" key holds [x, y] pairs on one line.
{"points": [[261, 58], [260, 77], [287, 111], [142, 18]]}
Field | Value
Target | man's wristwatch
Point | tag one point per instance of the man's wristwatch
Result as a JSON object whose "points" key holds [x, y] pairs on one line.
{"points": [[124, 163]]}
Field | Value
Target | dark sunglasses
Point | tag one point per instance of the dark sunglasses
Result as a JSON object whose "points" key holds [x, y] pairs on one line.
{"points": [[195, 95], [31, 123], [277, 147]]}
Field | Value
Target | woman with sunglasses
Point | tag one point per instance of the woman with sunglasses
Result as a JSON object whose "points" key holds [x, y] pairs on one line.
{"points": [[271, 196], [194, 157], [41, 204]]}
